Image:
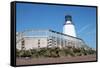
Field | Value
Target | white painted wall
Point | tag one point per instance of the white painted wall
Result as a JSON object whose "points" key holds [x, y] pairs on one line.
{"points": [[31, 43], [69, 29]]}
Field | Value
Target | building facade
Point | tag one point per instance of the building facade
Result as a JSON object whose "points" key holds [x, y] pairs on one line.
{"points": [[34, 39]]}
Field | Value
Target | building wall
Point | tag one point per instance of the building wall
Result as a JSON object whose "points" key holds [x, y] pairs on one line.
{"points": [[18, 45], [33, 43], [52, 39]]}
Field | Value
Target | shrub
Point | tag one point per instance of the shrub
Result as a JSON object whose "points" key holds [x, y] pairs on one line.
{"points": [[54, 52], [17, 53], [26, 53]]}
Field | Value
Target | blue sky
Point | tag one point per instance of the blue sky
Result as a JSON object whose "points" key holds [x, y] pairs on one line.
{"points": [[39, 16]]}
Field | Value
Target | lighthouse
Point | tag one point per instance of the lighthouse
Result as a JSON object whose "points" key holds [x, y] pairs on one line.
{"points": [[68, 27]]}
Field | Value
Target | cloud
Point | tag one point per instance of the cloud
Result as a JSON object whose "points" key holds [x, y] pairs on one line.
{"points": [[91, 32], [84, 28]]}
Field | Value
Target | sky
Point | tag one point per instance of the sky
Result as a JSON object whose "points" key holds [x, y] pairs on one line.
{"points": [[40, 16]]}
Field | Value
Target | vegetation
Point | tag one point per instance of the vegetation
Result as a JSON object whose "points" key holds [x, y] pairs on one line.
{"points": [[54, 52]]}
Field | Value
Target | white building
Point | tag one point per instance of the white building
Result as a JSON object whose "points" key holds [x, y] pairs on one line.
{"points": [[46, 38], [31, 39]]}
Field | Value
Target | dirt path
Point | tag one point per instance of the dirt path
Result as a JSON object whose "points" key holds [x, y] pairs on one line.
{"points": [[23, 61]]}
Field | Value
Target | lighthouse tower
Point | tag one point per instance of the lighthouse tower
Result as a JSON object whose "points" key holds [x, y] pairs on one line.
{"points": [[69, 27]]}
